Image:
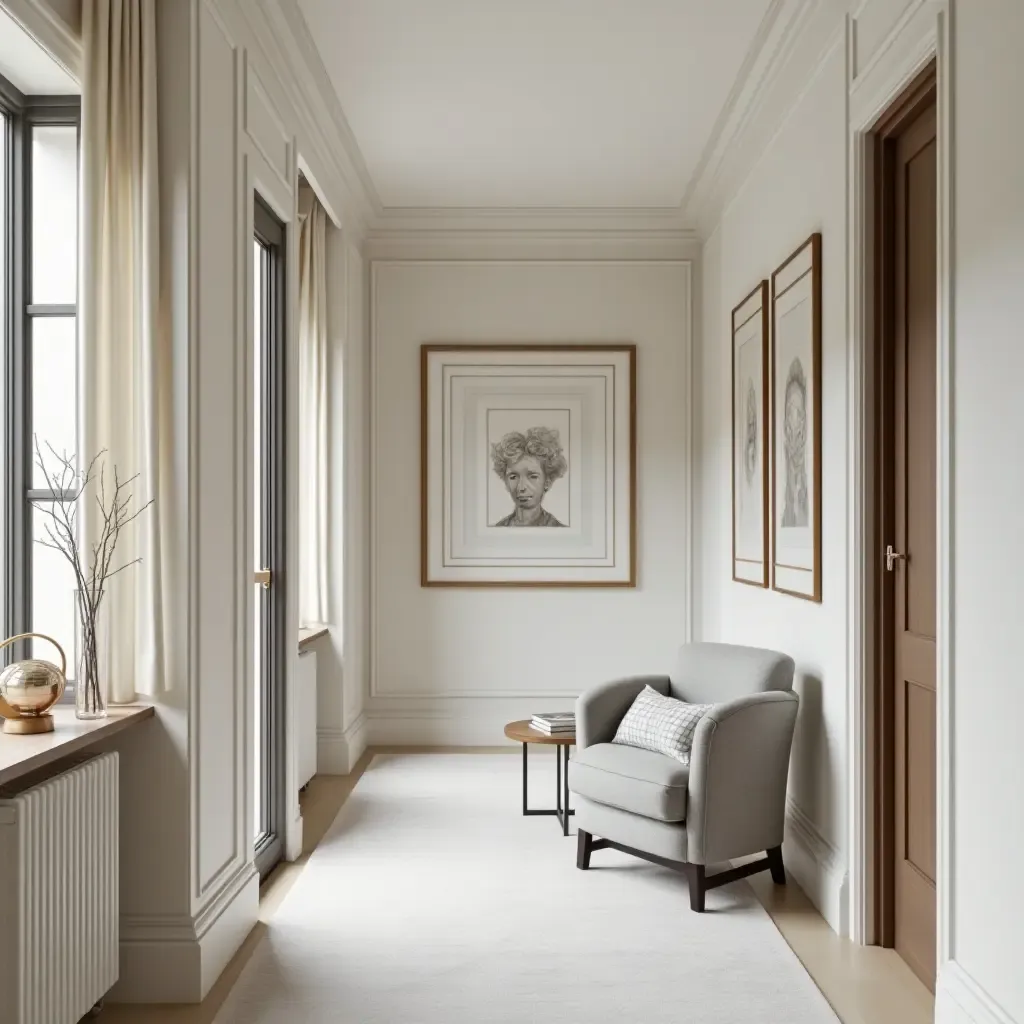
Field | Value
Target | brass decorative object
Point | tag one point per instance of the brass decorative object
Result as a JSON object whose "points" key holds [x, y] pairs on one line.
{"points": [[28, 689]]}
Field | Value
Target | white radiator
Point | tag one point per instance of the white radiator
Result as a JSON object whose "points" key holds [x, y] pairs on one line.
{"points": [[59, 893]]}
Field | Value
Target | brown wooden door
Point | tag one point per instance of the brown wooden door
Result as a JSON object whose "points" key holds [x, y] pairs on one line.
{"points": [[914, 577]]}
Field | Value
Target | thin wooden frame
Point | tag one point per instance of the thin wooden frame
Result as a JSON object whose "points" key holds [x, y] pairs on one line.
{"points": [[761, 311], [813, 244], [425, 352]]}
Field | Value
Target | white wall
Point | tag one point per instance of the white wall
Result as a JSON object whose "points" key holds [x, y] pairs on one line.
{"points": [[342, 664], [444, 661], [229, 126], [803, 182], [988, 910], [797, 187]]}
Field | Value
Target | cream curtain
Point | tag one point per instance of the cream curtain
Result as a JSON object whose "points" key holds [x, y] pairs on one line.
{"points": [[313, 495], [121, 376]]}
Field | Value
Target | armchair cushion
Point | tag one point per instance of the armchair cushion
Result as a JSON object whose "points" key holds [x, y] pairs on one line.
{"points": [[664, 724], [641, 781]]}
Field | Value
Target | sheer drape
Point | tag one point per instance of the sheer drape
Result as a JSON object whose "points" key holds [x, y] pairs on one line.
{"points": [[122, 381], [313, 497]]}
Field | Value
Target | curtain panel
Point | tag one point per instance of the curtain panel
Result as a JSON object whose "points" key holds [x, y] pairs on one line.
{"points": [[123, 375]]}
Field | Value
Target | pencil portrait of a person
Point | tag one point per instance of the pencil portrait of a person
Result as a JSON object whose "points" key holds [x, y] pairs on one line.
{"points": [[528, 465]]}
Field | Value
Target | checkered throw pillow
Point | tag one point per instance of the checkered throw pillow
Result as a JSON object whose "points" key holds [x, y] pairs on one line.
{"points": [[660, 723]]}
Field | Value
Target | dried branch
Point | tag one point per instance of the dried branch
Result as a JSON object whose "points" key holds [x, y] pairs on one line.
{"points": [[115, 512]]}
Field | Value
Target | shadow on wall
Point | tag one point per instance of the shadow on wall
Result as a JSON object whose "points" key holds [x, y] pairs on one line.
{"points": [[812, 771]]}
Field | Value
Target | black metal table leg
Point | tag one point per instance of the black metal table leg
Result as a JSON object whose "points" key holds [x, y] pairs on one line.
{"points": [[565, 802], [561, 810], [558, 782], [525, 811]]}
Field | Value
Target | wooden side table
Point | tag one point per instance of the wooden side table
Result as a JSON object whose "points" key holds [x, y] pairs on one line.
{"points": [[523, 733]]}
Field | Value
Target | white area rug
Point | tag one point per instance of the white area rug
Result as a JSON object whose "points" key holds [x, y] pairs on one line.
{"points": [[433, 901]]}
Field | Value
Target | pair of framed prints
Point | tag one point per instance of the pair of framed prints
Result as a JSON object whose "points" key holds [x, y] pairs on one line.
{"points": [[776, 429], [528, 464]]}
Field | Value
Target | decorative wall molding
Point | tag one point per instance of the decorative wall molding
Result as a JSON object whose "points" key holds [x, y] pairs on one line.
{"points": [[329, 155], [174, 958], [402, 709], [533, 240], [818, 866], [60, 40], [959, 999], [264, 127], [787, 47], [409, 726]]}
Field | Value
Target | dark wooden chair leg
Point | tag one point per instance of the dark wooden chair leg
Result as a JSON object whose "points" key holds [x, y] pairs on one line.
{"points": [[776, 866], [584, 847], [697, 876]]}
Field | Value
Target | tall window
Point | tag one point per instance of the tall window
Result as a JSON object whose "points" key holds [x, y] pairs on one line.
{"points": [[39, 147]]}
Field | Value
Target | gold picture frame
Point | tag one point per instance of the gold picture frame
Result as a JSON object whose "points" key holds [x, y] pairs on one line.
{"points": [[796, 422], [750, 434]]}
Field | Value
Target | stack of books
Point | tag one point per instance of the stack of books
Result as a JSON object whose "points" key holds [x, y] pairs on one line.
{"points": [[555, 723]]}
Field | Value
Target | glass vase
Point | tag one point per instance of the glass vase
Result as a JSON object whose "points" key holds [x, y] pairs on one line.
{"points": [[90, 659]]}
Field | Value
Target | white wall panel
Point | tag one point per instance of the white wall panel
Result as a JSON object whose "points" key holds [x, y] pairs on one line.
{"points": [[221, 508], [873, 24], [797, 187], [434, 646], [264, 126]]}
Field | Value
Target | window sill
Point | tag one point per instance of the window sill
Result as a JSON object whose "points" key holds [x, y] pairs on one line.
{"points": [[308, 635], [20, 755]]}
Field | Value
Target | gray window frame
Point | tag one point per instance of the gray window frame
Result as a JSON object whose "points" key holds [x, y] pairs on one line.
{"points": [[22, 114]]}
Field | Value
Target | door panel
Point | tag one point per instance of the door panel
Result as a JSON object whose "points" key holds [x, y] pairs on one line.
{"points": [[914, 576]]}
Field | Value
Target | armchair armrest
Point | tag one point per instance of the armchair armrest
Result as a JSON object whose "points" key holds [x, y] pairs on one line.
{"points": [[600, 709], [739, 766]]}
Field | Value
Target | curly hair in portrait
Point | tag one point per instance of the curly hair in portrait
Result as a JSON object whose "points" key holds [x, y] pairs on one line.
{"points": [[528, 464], [542, 443]]}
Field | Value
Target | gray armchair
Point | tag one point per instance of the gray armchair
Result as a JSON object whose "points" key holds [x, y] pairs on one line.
{"points": [[730, 801]]}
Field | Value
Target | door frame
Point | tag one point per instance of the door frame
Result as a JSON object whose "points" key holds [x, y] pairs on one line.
{"points": [[918, 97], [271, 233], [918, 43]]}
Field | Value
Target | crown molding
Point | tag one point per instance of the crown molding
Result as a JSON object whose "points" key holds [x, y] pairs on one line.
{"points": [[797, 35], [327, 146], [61, 41], [787, 49], [584, 241]]}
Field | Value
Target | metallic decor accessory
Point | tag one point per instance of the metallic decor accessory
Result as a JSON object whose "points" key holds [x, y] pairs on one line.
{"points": [[28, 689]]}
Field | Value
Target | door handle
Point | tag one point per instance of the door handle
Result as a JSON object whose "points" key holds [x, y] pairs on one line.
{"points": [[262, 576], [892, 557]]}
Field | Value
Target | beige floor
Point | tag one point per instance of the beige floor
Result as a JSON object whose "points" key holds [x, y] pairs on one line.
{"points": [[865, 985]]}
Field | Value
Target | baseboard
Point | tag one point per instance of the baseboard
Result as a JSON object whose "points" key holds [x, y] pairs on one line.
{"points": [[223, 926], [818, 868], [356, 739], [481, 724], [338, 750], [959, 999], [173, 958]]}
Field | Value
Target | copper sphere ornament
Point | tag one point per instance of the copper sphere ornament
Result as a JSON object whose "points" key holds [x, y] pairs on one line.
{"points": [[28, 689]]}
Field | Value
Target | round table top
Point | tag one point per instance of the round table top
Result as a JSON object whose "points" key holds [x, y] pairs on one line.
{"points": [[522, 732]]}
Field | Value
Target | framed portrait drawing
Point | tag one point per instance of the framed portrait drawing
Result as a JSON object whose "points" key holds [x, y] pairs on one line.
{"points": [[750, 439], [528, 465], [796, 423]]}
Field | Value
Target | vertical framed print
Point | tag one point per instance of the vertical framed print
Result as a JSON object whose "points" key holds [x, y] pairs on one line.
{"points": [[796, 423], [528, 463], [750, 439]]}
